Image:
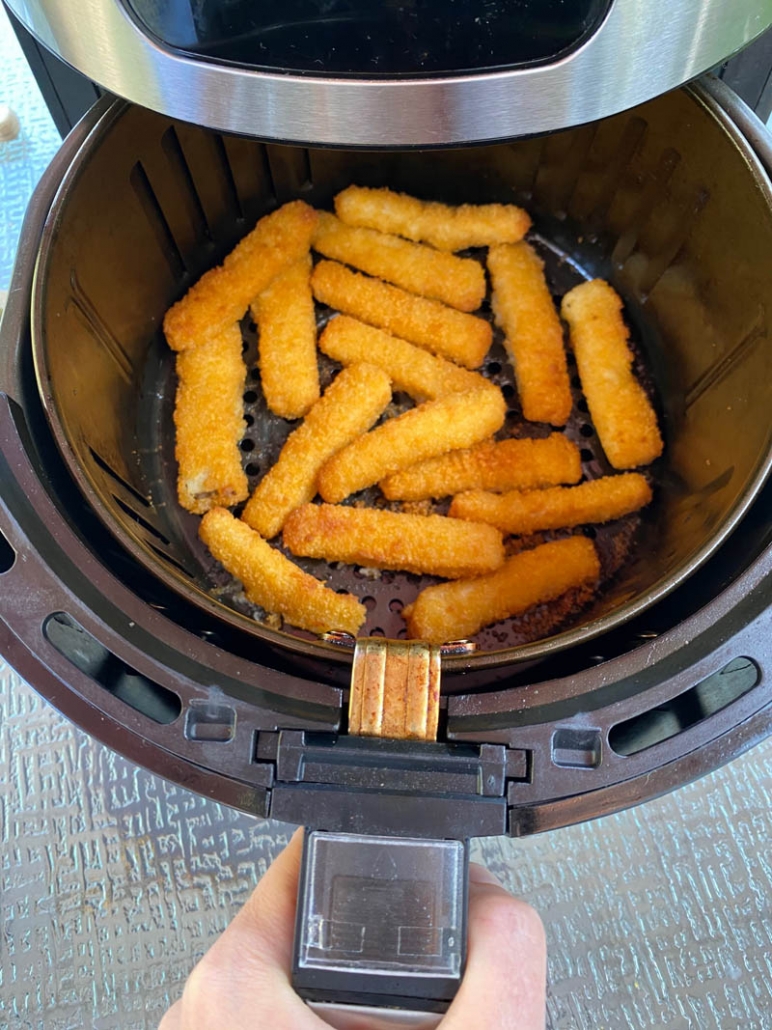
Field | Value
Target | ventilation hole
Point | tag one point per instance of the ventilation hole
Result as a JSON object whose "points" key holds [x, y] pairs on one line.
{"points": [[255, 374], [512, 414], [402, 634], [586, 454], [576, 382], [252, 325], [172, 561], [341, 590], [250, 397], [247, 445], [377, 632], [576, 748], [141, 521], [587, 430], [172, 148], [249, 420], [582, 405], [508, 390], [157, 220], [211, 637], [7, 555], [118, 478], [252, 469], [395, 605], [228, 179], [93, 659], [244, 346], [369, 603], [701, 701], [493, 368], [590, 531]]}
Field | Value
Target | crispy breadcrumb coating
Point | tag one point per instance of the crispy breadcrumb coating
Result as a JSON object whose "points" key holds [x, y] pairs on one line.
{"points": [[491, 465], [411, 369], [209, 423], [456, 611], [349, 406], [457, 281], [222, 295], [463, 338], [286, 322], [442, 225], [523, 307], [276, 583], [454, 421], [425, 544], [619, 408], [558, 507]]}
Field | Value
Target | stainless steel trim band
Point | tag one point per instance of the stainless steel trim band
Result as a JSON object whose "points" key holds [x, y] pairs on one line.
{"points": [[642, 49]]}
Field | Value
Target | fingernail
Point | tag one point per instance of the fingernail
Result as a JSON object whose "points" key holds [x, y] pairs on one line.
{"points": [[480, 874]]}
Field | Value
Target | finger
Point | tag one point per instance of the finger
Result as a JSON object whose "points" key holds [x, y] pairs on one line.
{"points": [[504, 985], [173, 1018], [243, 981]]}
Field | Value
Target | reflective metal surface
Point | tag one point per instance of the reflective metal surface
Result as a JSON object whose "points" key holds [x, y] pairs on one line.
{"points": [[642, 49]]}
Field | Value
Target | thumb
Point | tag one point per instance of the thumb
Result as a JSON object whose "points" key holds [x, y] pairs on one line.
{"points": [[504, 986]]}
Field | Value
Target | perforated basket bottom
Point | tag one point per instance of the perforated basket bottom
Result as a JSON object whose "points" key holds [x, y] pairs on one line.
{"points": [[384, 593]]}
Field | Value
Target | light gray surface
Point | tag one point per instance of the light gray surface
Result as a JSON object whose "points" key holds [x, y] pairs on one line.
{"points": [[113, 882], [642, 49]]}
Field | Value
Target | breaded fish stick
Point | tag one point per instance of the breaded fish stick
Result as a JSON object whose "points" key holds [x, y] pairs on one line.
{"points": [[455, 611], [620, 410], [459, 282], [457, 420], [274, 582], [523, 307], [491, 465], [284, 313], [209, 423], [222, 295], [452, 334], [349, 407], [443, 226], [465, 339], [427, 544], [411, 369], [528, 511]]}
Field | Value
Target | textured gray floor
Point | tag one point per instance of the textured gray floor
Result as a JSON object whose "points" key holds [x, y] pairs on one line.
{"points": [[113, 881]]}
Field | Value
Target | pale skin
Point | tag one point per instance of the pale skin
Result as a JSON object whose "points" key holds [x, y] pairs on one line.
{"points": [[242, 983]]}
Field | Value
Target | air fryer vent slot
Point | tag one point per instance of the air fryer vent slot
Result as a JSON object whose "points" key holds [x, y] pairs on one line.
{"points": [[706, 698], [7, 555], [93, 659]]}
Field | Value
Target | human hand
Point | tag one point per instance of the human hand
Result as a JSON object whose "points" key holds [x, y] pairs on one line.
{"points": [[243, 981]]}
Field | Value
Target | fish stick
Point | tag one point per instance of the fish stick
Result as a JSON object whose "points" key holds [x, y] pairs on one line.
{"points": [[463, 338], [285, 317], [454, 421], [209, 423], [349, 406], [441, 225], [558, 507], [276, 583], [411, 369], [455, 611], [431, 545], [523, 307], [491, 465], [621, 412], [457, 281], [222, 295]]}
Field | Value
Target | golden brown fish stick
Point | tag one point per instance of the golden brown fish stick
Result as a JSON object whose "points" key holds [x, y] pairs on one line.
{"points": [[209, 423], [274, 582], [284, 313], [426, 544], [222, 295], [411, 369], [491, 465], [523, 307], [349, 407], [619, 408], [455, 611], [528, 511], [441, 225], [465, 339], [457, 281], [457, 420]]}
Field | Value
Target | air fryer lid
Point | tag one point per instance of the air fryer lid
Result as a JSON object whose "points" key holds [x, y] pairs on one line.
{"points": [[363, 73], [667, 202]]}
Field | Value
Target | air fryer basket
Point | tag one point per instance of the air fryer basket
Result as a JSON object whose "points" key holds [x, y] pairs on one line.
{"points": [[666, 201]]}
